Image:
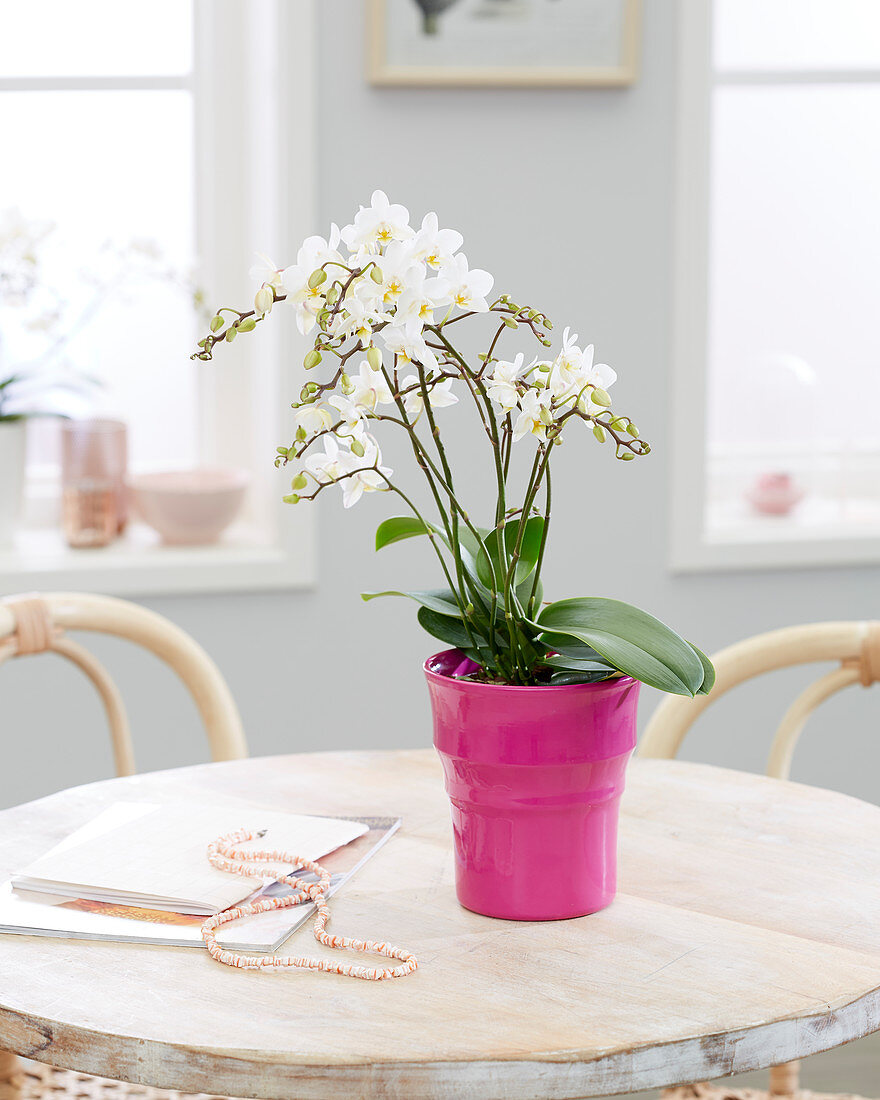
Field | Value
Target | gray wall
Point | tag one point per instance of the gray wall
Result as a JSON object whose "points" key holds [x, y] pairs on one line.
{"points": [[566, 196]]}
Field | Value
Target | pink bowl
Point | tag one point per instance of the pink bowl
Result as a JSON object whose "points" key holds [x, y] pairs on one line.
{"points": [[189, 507]]}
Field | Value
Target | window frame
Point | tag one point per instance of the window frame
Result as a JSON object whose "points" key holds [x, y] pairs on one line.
{"points": [[261, 201], [689, 549]]}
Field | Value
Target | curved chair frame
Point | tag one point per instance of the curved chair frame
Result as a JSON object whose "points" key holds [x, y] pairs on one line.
{"points": [[36, 624], [856, 645]]}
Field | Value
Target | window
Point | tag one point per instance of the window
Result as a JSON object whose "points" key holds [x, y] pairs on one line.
{"points": [[148, 132], [779, 230]]}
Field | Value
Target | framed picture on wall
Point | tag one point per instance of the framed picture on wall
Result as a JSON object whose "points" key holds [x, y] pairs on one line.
{"points": [[504, 42]]}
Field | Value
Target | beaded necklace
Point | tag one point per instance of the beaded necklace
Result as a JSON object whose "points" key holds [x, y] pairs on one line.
{"points": [[224, 855]]}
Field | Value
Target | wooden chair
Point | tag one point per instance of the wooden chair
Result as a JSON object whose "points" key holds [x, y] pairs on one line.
{"points": [[856, 645], [38, 624]]}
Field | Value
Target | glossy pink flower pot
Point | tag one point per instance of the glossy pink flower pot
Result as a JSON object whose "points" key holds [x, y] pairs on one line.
{"points": [[534, 775]]}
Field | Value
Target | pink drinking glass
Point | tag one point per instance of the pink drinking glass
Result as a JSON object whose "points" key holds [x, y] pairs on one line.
{"points": [[94, 460]]}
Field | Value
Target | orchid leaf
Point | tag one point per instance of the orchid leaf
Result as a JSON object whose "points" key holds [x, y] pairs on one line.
{"points": [[444, 627], [629, 639], [559, 678], [400, 527], [708, 671], [441, 600]]}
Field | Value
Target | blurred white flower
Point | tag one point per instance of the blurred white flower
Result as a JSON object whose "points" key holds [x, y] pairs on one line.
{"points": [[266, 271], [308, 301], [440, 395], [378, 224], [330, 464]]}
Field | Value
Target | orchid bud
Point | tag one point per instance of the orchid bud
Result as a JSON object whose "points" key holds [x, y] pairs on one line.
{"points": [[312, 359], [291, 498], [216, 323], [374, 357], [345, 384], [282, 450], [264, 299], [376, 274], [230, 335], [599, 432], [357, 448], [311, 387], [557, 440], [547, 323], [247, 325], [299, 482], [546, 416], [317, 277], [301, 434], [202, 343], [632, 430], [509, 321], [600, 397], [544, 368], [627, 456], [332, 295], [304, 394]]}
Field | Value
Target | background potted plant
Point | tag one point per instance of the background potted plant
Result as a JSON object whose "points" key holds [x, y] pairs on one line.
{"points": [[534, 707]]}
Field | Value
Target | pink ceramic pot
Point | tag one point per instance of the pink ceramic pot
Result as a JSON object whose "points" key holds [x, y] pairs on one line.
{"points": [[534, 775]]}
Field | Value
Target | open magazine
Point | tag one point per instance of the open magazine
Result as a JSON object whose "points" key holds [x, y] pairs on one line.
{"points": [[41, 914]]}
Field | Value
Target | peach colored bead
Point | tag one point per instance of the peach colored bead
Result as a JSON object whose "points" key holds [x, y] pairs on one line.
{"points": [[224, 855]]}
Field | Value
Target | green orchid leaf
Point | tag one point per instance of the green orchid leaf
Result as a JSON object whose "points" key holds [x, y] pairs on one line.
{"points": [[398, 528], [567, 646], [441, 600], [708, 671], [444, 627], [581, 677], [524, 592], [630, 639], [573, 664]]}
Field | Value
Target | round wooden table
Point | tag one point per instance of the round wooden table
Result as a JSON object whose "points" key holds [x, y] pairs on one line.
{"points": [[746, 933]]}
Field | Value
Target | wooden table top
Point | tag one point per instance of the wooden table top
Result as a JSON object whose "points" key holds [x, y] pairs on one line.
{"points": [[746, 933]]}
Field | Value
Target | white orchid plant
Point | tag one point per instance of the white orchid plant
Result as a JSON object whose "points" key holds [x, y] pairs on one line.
{"points": [[384, 300]]}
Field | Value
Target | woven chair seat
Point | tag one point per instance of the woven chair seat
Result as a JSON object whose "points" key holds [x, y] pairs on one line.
{"points": [[719, 1092], [35, 1081]]}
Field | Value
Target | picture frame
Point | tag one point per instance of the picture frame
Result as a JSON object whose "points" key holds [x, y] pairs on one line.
{"points": [[503, 43]]}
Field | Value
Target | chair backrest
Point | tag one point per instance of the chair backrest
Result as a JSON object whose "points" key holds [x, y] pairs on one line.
{"points": [[37, 624], [856, 645]]}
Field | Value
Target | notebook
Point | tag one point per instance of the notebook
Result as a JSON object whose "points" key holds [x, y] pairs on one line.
{"points": [[154, 856]]}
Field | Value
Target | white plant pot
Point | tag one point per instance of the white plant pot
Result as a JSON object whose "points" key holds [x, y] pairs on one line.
{"points": [[12, 441]]}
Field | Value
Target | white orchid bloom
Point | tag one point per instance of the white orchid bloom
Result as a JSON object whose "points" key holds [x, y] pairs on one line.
{"points": [[313, 418], [308, 301], [329, 465], [353, 417], [266, 272], [534, 405], [377, 225], [358, 316], [435, 246], [463, 287], [596, 375], [569, 369], [416, 305], [408, 344], [502, 384], [370, 389], [370, 480], [440, 395], [400, 273]]}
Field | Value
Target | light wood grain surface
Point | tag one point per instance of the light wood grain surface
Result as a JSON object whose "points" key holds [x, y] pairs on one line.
{"points": [[746, 933]]}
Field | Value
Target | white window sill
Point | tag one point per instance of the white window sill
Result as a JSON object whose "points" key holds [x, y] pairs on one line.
{"points": [[138, 564]]}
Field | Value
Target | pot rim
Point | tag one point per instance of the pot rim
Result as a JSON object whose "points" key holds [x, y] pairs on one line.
{"points": [[615, 683]]}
